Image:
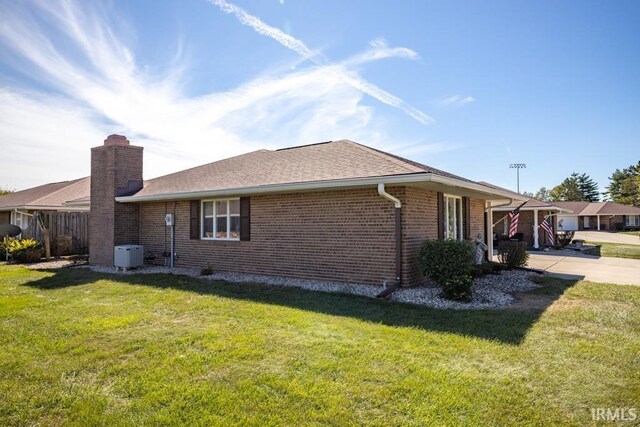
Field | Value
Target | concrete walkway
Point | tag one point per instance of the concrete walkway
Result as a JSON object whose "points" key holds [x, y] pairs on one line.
{"points": [[573, 265], [607, 237]]}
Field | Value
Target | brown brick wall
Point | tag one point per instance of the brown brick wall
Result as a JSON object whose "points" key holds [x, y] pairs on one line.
{"points": [[345, 235], [419, 222], [477, 218], [5, 217], [112, 223]]}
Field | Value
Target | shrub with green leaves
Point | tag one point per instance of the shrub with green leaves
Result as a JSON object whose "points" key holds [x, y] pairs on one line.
{"points": [[448, 262], [22, 250], [458, 288], [513, 254]]}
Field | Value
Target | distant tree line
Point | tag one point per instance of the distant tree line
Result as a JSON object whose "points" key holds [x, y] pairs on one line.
{"points": [[624, 187]]}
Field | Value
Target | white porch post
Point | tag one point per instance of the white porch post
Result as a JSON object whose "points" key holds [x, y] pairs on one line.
{"points": [[535, 229], [489, 232], [598, 222]]}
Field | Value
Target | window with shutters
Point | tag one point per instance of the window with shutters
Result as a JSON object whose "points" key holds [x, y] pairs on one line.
{"points": [[220, 219]]}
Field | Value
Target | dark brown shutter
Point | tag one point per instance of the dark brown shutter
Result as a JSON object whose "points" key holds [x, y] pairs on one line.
{"points": [[440, 216], [194, 220], [466, 218], [245, 218]]}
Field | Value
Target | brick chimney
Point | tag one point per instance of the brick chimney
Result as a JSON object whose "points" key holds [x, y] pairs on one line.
{"points": [[116, 170]]}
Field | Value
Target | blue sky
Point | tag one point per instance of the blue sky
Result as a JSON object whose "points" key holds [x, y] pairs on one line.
{"points": [[469, 87]]}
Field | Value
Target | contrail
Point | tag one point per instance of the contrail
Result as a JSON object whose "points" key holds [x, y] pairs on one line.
{"points": [[351, 78]]}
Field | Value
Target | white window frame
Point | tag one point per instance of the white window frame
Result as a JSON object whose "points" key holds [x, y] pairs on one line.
{"points": [[457, 225], [21, 219], [214, 218], [636, 221]]}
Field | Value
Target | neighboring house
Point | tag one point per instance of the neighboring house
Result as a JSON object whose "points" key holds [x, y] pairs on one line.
{"points": [[64, 208], [598, 216], [532, 213], [67, 196], [330, 211]]}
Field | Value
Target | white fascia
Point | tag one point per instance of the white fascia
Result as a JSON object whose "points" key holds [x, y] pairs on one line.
{"points": [[325, 185]]}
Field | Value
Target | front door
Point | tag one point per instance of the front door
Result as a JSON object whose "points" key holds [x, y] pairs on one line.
{"points": [[586, 222]]}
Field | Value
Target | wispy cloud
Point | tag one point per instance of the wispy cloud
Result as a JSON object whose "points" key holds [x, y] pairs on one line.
{"points": [[456, 101], [380, 51], [91, 84]]}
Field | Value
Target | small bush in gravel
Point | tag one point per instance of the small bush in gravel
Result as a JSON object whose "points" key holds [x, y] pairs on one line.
{"points": [[62, 245], [458, 288], [207, 271], [448, 262], [513, 254]]}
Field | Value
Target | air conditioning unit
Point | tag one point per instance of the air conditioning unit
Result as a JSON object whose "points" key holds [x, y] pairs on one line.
{"points": [[128, 256]]}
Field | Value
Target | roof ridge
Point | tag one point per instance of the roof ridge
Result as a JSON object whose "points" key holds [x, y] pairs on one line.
{"points": [[71, 183], [387, 156], [146, 181], [304, 146]]}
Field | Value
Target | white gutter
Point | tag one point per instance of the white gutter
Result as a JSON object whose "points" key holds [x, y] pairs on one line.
{"points": [[84, 208], [525, 208], [386, 195], [320, 185]]}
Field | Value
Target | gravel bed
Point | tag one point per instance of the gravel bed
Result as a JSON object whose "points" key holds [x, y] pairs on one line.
{"points": [[53, 264], [493, 290]]}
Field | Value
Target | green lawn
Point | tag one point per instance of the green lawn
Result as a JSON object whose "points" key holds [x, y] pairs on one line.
{"points": [[80, 348], [615, 250]]}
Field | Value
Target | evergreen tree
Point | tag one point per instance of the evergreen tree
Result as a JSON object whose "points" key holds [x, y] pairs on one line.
{"points": [[576, 188], [588, 187], [625, 186]]}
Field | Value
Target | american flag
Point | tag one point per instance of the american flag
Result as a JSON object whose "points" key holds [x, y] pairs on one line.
{"points": [[513, 222], [546, 226], [514, 215]]}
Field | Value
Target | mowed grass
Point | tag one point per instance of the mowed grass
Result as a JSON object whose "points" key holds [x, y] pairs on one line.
{"points": [[615, 250], [83, 348], [632, 233]]}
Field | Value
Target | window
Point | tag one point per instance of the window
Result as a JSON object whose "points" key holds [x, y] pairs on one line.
{"points": [[21, 219], [633, 221], [221, 219], [453, 217]]}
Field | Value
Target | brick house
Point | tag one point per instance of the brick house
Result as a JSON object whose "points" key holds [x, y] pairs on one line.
{"points": [[532, 214], [598, 216], [336, 211], [66, 196]]}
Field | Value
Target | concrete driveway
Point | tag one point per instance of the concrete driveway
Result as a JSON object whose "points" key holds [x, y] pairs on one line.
{"points": [[574, 265], [607, 237]]}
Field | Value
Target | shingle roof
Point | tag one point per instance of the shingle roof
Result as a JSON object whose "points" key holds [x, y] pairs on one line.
{"points": [[530, 204], [52, 195], [333, 160], [599, 208], [575, 207]]}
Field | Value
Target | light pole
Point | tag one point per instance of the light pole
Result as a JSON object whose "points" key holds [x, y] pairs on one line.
{"points": [[517, 167]]}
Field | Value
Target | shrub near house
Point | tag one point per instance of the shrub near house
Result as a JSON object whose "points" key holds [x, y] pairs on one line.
{"points": [[448, 263]]}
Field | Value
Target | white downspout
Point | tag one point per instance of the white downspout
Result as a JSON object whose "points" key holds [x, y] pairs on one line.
{"points": [[598, 222], [383, 193]]}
